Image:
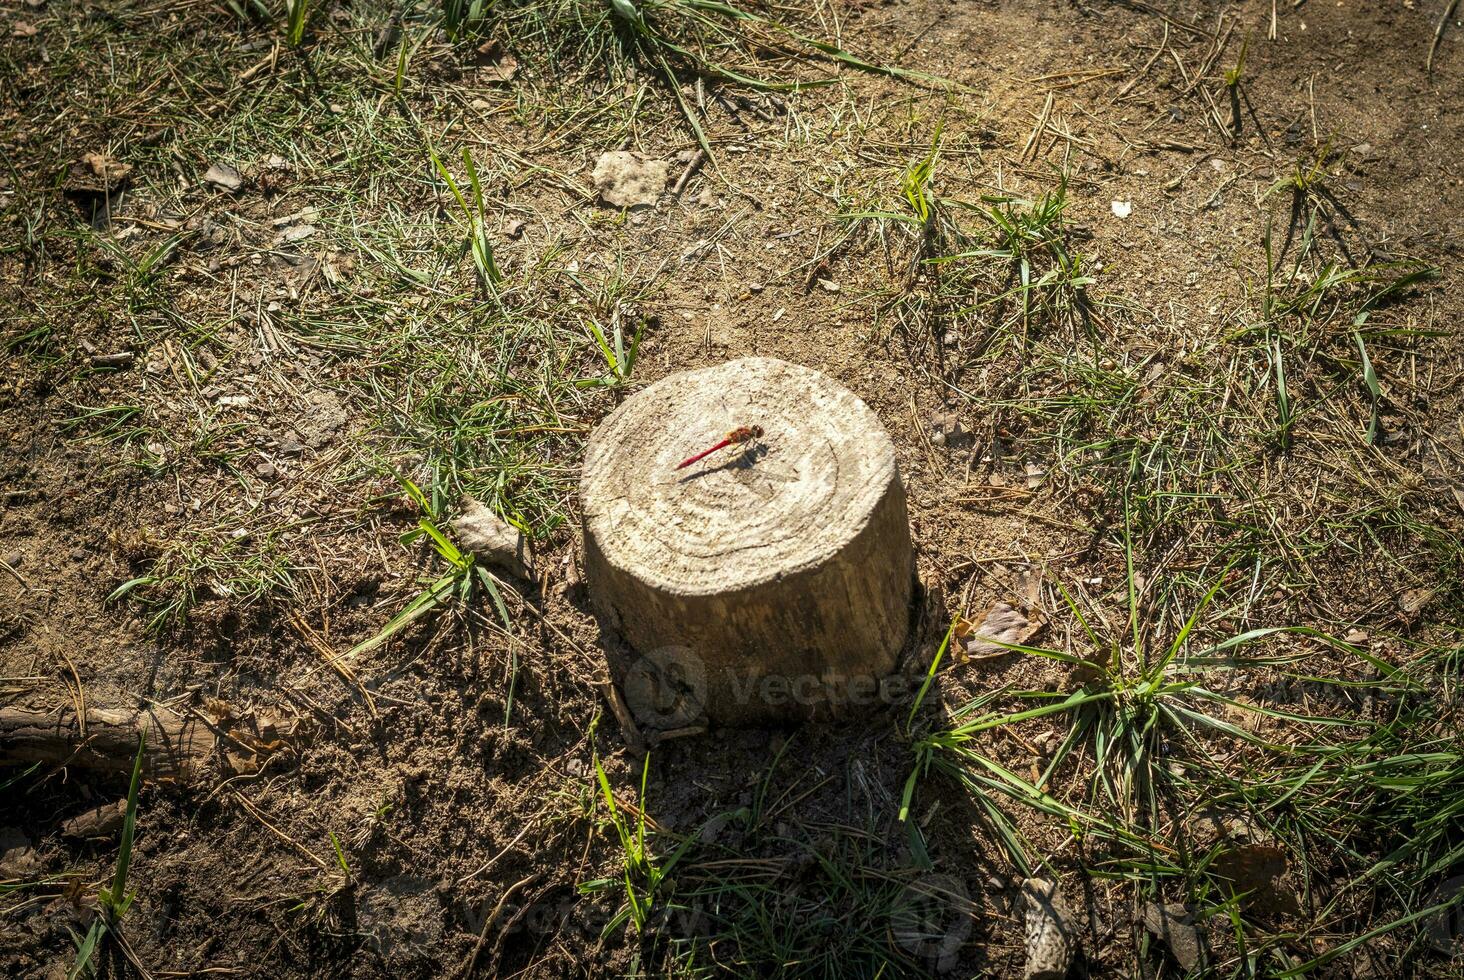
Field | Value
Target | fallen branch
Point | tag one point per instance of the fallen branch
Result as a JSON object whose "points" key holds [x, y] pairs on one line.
{"points": [[177, 745]]}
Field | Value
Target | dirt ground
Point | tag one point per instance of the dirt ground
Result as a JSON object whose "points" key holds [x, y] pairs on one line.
{"points": [[1157, 302]]}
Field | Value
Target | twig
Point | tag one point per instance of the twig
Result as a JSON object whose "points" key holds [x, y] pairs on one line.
{"points": [[5, 564], [634, 741], [1439, 34], [254, 812], [995, 494], [1207, 63], [467, 966], [495, 858], [80, 699], [1037, 130], [1128, 86], [656, 738], [129, 952], [1155, 11], [697, 159], [333, 660], [1072, 79]]}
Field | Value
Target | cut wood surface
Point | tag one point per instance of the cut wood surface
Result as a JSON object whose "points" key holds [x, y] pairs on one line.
{"points": [[770, 578]]}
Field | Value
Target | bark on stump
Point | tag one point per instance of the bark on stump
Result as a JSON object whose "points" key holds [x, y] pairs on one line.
{"points": [[769, 580]]}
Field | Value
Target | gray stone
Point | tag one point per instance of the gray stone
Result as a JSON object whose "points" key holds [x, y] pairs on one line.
{"points": [[1173, 925], [627, 180], [225, 176], [491, 539]]}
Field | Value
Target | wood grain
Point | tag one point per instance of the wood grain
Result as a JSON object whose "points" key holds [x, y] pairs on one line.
{"points": [[774, 576]]}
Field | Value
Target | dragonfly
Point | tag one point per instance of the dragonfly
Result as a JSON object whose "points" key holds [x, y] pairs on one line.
{"points": [[739, 435]]}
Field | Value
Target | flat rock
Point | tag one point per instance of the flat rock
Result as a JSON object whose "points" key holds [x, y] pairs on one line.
{"points": [[627, 180], [490, 539], [1173, 925], [225, 176]]}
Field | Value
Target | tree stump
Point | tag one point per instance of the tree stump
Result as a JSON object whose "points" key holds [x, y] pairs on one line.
{"points": [[771, 579]]}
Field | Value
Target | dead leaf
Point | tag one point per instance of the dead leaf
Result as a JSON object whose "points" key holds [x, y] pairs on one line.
{"points": [[495, 62], [23, 29], [98, 173], [627, 180], [1254, 870], [1002, 623], [249, 741], [218, 711]]}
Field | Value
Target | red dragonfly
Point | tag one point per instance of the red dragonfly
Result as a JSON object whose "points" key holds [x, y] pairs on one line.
{"points": [[739, 435]]}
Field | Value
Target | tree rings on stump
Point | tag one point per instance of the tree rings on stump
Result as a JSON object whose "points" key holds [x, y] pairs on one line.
{"points": [[771, 579]]}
